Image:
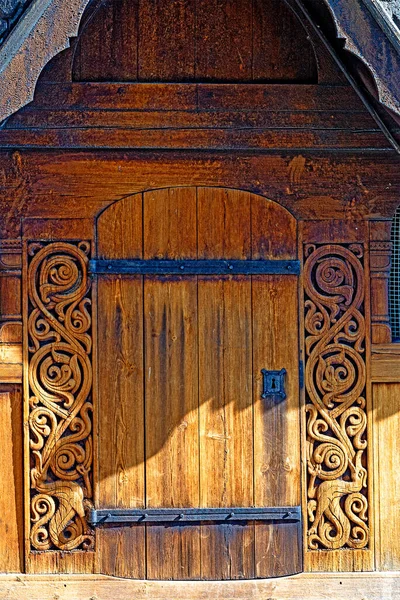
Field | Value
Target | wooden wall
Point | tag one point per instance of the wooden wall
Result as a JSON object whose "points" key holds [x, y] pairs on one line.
{"points": [[149, 98], [178, 41], [386, 423]]}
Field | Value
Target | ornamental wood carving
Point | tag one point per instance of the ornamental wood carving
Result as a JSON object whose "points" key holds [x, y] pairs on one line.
{"points": [[59, 395], [335, 379]]}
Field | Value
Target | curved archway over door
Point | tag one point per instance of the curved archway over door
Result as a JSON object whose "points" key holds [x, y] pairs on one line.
{"points": [[199, 475]]}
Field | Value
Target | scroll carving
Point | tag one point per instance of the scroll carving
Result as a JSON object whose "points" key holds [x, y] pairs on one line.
{"points": [[335, 379], [59, 395]]}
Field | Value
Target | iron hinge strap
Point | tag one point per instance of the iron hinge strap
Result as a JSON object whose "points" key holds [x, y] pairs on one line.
{"points": [[193, 515], [194, 267], [301, 374]]}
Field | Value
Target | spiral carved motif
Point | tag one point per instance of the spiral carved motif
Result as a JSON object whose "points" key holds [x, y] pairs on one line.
{"points": [[59, 395], [335, 379]]}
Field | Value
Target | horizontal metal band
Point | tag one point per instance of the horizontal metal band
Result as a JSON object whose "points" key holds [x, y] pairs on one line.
{"points": [[193, 515], [195, 267]]}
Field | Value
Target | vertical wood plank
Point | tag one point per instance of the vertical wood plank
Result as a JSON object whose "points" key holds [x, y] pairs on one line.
{"points": [[120, 229], [121, 456], [11, 470], [224, 223], [193, 328], [170, 229], [121, 550], [386, 403], [107, 47], [380, 251], [225, 389], [166, 42], [172, 460], [278, 54], [276, 423], [226, 423], [273, 231], [60, 562], [224, 40], [171, 381]]}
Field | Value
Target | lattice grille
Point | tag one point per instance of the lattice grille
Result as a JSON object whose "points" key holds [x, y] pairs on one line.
{"points": [[395, 279]]}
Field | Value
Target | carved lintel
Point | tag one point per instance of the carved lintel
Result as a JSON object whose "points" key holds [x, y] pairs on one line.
{"points": [[59, 373], [380, 264], [335, 386]]}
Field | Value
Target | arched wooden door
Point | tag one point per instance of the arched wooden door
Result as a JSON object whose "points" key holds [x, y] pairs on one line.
{"points": [[200, 466]]}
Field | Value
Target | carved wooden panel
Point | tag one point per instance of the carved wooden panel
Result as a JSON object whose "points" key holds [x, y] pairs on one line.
{"points": [[58, 395], [335, 382]]}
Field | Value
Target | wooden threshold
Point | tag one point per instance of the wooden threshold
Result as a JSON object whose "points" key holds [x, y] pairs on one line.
{"points": [[307, 586]]}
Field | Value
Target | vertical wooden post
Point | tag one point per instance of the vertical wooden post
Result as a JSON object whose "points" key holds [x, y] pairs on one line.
{"points": [[380, 263]]}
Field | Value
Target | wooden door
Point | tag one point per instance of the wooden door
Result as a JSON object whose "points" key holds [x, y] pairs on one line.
{"points": [[182, 424]]}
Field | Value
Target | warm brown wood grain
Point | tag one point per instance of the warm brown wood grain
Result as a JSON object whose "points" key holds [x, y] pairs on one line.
{"points": [[150, 40], [152, 115], [276, 424], [166, 40], [107, 47], [225, 395], [199, 389], [53, 229], [326, 586], [211, 116], [386, 402], [380, 264], [125, 119], [11, 363], [64, 184], [226, 422], [224, 223], [120, 551], [342, 561], [10, 305], [275, 50], [171, 383], [60, 562], [385, 363], [11, 469], [120, 367], [172, 460], [178, 96], [273, 231], [224, 43], [170, 223]]}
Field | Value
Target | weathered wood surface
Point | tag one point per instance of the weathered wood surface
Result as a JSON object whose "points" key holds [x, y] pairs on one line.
{"points": [[212, 116], [177, 41], [80, 148], [12, 477], [324, 586], [61, 185], [386, 405], [385, 363], [209, 440], [380, 248]]}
